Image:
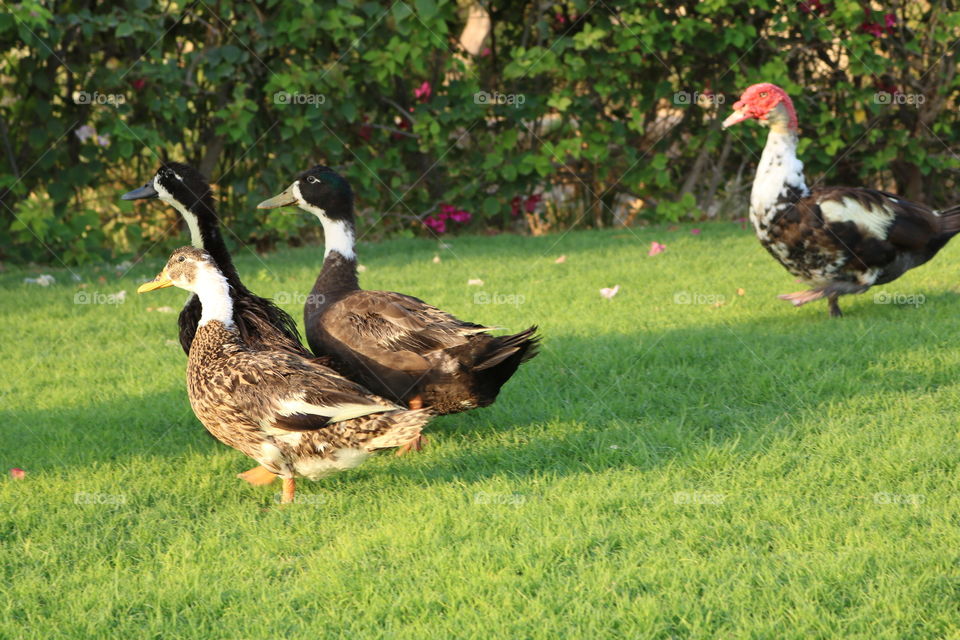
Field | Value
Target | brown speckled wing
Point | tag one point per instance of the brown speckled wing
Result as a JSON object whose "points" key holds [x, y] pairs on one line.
{"points": [[395, 330]]}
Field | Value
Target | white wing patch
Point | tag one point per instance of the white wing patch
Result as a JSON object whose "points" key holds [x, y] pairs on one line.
{"points": [[336, 413], [873, 222]]}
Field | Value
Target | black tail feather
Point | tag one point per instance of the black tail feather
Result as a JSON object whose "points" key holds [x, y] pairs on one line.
{"points": [[506, 346], [500, 362], [950, 220]]}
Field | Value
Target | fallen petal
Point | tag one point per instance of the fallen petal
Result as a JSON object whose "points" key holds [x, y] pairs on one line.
{"points": [[436, 259], [656, 248], [474, 282], [44, 280], [741, 292], [608, 293], [361, 268], [695, 232], [561, 259], [17, 473]]}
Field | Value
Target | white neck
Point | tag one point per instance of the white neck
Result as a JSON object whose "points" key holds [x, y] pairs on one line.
{"points": [[779, 169], [214, 293], [192, 222], [337, 235]]}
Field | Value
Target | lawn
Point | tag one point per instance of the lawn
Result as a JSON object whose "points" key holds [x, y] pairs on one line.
{"points": [[680, 461]]}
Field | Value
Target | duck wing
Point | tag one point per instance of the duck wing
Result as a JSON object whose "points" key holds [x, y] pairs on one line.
{"points": [[395, 329], [875, 219], [287, 393]]}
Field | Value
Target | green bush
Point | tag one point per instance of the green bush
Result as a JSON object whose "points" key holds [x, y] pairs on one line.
{"points": [[610, 111]]}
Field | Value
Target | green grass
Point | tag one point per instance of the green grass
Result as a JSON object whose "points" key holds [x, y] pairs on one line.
{"points": [[661, 470]]}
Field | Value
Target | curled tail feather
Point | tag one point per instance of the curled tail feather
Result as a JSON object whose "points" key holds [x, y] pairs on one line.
{"points": [[950, 220]]}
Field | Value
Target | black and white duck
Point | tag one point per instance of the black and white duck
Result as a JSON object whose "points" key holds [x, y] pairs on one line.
{"points": [[293, 415], [259, 320], [840, 240], [396, 345]]}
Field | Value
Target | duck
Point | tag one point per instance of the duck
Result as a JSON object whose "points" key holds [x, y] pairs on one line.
{"points": [[396, 345], [293, 415], [259, 320], [838, 240]]}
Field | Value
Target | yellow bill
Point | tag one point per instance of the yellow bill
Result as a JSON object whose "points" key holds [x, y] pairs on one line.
{"points": [[285, 199], [162, 281]]}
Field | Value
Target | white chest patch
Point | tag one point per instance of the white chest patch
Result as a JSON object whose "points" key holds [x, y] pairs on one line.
{"points": [[779, 169], [871, 222]]}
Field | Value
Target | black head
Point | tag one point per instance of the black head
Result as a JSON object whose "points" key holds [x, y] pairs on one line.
{"points": [[174, 181], [318, 188]]}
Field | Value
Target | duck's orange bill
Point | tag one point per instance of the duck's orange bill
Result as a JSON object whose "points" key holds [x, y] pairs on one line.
{"points": [[162, 281]]}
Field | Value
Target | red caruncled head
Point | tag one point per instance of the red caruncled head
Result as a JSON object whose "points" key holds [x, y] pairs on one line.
{"points": [[758, 101]]}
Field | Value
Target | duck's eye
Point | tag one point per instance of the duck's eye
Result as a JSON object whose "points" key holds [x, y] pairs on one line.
{"points": [[312, 179], [181, 259], [763, 94]]}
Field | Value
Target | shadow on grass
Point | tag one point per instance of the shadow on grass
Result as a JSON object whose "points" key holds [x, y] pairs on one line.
{"points": [[587, 403], [156, 423], [594, 403]]}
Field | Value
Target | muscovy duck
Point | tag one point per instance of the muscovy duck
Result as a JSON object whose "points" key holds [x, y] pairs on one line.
{"points": [[840, 240]]}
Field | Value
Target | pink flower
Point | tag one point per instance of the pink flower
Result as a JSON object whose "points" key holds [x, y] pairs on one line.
{"points": [[656, 248], [17, 473], [450, 212], [423, 92], [873, 29], [485, 52], [437, 224], [889, 21], [608, 293], [530, 204], [695, 232], [138, 84]]}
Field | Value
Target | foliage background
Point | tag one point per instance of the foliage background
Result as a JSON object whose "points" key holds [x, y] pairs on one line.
{"points": [[611, 111]]}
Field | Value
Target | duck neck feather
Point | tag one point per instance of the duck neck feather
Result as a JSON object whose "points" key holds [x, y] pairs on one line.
{"points": [[779, 173], [201, 218], [214, 292]]}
